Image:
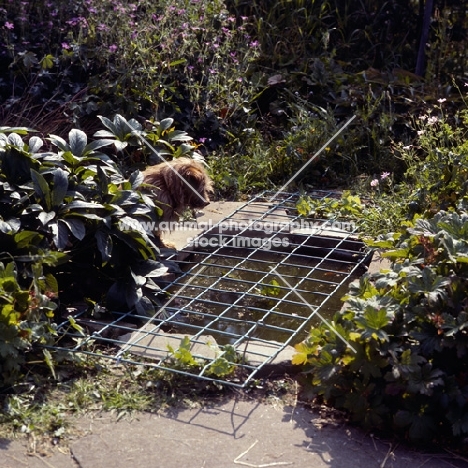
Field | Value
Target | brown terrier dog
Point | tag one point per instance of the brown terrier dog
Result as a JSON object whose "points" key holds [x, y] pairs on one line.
{"points": [[179, 184]]}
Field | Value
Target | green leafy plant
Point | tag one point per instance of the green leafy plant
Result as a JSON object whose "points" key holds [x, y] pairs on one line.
{"points": [[395, 356], [26, 314], [136, 146], [75, 203], [222, 366]]}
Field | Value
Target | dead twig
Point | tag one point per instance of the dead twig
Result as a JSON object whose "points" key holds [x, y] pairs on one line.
{"points": [[257, 466]]}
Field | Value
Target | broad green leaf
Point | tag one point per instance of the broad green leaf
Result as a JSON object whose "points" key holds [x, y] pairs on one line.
{"points": [[104, 244], [136, 179], [123, 128], [81, 205], [78, 141], [94, 145], [165, 124], [108, 124], [19, 130], [27, 238], [178, 135], [35, 144], [5, 228], [15, 140], [60, 187], [59, 142], [120, 145], [76, 226], [372, 322], [151, 269], [135, 125], [104, 134], [41, 187]]}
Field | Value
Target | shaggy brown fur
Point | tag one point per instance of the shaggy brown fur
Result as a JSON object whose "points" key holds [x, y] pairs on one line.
{"points": [[172, 183]]}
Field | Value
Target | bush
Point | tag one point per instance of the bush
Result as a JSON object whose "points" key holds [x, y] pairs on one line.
{"points": [[25, 317], [396, 355], [73, 224]]}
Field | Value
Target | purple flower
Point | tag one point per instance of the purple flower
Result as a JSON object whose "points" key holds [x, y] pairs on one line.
{"points": [[254, 44], [112, 48], [384, 175], [9, 25], [202, 140], [65, 45]]}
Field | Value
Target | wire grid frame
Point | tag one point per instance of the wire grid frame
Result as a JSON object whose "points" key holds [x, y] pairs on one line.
{"points": [[252, 285]]}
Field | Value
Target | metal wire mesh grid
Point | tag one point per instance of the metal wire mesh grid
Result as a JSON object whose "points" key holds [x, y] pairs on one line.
{"points": [[252, 284]]}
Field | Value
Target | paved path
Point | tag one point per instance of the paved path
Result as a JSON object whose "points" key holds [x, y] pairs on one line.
{"points": [[228, 435]]}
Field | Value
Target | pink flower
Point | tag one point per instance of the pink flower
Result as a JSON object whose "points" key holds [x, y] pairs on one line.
{"points": [[374, 183], [9, 25], [65, 45], [112, 48], [384, 175]]}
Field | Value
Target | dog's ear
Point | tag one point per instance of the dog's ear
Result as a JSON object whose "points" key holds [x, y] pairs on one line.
{"points": [[194, 174]]}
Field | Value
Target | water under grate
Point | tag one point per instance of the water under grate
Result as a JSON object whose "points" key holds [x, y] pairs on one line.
{"points": [[252, 284]]}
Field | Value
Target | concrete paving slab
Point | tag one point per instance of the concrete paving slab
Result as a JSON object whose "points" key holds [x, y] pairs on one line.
{"points": [[211, 215]]}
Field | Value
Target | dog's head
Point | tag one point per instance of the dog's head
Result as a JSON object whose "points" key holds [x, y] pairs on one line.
{"points": [[196, 184], [179, 184]]}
